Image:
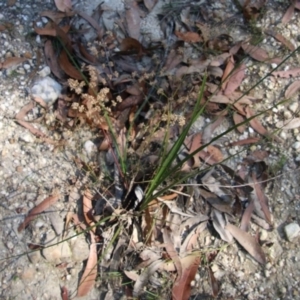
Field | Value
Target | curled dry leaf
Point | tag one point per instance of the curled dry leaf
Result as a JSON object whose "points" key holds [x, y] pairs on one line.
{"points": [[182, 287], [248, 242], [189, 37], [215, 286], [235, 79], [171, 250], [52, 60], [292, 89], [255, 52], [37, 210], [88, 278], [63, 5], [263, 200], [133, 18], [67, 67]]}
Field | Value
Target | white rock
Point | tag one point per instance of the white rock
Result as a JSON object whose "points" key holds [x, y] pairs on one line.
{"points": [[27, 137], [293, 106], [89, 148], [46, 88], [296, 145], [292, 230], [45, 72]]}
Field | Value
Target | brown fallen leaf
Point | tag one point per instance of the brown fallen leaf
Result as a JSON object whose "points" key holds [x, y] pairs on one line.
{"points": [[182, 287], [228, 70], [288, 14], [189, 37], [64, 293], [12, 62], [11, 2], [37, 210], [248, 242], [93, 22], [237, 119], [63, 5], [255, 52], [52, 60], [67, 66], [150, 4], [263, 200], [56, 16], [289, 124], [87, 209], [215, 286], [133, 19], [252, 140], [235, 79], [280, 38], [292, 89], [255, 123], [89, 275], [168, 243], [295, 72], [245, 222], [132, 45]]}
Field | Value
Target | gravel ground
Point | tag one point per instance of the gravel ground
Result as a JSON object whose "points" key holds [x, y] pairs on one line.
{"points": [[31, 170]]}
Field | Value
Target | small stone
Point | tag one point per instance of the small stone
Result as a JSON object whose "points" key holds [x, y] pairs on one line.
{"points": [[292, 230], [45, 72], [296, 145], [27, 137], [9, 245], [293, 107]]}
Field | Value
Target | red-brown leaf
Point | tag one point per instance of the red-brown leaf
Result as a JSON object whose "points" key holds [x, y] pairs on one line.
{"points": [[52, 60], [280, 38], [133, 19], [288, 14], [37, 210], [248, 242], [263, 200], [63, 5], [237, 118], [295, 72], [255, 52], [182, 286], [214, 283], [12, 62], [150, 4], [292, 89], [87, 207], [189, 37], [235, 79], [88, 278], [67, 67]]}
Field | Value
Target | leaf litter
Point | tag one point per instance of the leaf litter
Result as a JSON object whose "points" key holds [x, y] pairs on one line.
{"points": [[124, 86]]}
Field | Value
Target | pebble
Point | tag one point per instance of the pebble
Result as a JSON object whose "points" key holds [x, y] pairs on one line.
{"points": [[292, 230], [296, 145], [45, 72], [293, 107], [46, 88]]}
